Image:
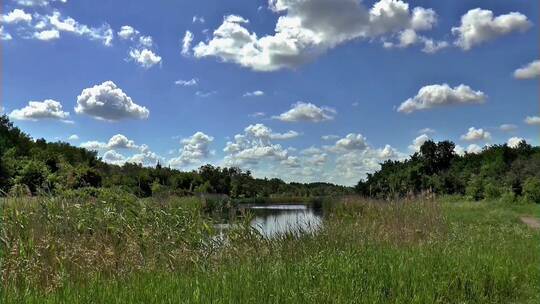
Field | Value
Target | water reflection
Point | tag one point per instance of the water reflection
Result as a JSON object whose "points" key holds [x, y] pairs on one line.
{"points": [[272, 220]]}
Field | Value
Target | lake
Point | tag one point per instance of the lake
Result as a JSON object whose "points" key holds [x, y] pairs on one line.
{"points": [[272, 220]]}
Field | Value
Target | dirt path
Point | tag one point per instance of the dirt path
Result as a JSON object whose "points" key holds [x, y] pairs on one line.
{"points": [[532, 222]]}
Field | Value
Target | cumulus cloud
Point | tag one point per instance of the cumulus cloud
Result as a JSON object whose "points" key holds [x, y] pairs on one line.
{"points": [[479, 26], [476, 135], [186, 43], [194, 149], [127, 32], [474, 149], [418, 142], [307, 112], [108, 102], [16, 16], [442, 95], [351, 142], [37, 110], [530, 71], [187, 83], [305, 29], [255, 145], [471, 149], [117, 141], [113, 157], [532, 120], [73, 137], [254, 94], [47, 35], [514, 142], [145, 57]]}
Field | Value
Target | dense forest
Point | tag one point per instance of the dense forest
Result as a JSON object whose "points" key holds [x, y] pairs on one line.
{"points": [[30, 167], [498, 172]]}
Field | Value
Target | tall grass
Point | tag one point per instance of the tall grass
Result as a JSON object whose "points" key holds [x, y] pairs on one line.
{"points": [[367, 252]]}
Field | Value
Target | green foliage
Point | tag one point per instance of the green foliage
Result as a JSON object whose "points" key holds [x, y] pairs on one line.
{"points": [[147, 251], [531, 190], [57, 167], [437, 169]]}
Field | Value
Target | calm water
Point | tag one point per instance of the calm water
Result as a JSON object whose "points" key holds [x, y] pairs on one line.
{"points": [[272, 220]]}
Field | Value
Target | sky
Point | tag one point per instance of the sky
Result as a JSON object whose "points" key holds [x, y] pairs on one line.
{"points": [[303, 90]]}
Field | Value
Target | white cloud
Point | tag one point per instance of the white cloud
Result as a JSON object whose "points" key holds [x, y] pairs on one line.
{"points": [[47, 35], [146, 41], [254, 94], [4, 36], [127, 32], [16, 16], [73, 137], [37, 110], [532, 120], [532, 70], [186, 43], [508, 127], [442, 95], [108, 102], [255, 145], [471, 149], [418, 142], [479, 26], [195, 149], [474, 149], [187, 83], [476, 135], [113, 157], [351, 142], [145, 57], [104, 34], [198, 19], [305, 29], [117, 141], [308, 112], [37, 2], [514, 142]]}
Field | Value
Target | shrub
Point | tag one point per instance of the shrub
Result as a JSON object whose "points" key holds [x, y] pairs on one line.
{"points": [[531, 190], [492, 191], [508, 197], [475, 189]]}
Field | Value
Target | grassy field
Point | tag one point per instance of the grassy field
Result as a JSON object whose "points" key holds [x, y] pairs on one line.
{"points": [[117, 249]]}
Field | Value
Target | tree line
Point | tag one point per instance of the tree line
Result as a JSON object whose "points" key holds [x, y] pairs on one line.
{"points": [[498, 172], [33, 167]]}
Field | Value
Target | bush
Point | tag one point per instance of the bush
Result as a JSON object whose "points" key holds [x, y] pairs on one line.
{"points": [[531, 190], [508, 197], [492, 191], [475, 189]]}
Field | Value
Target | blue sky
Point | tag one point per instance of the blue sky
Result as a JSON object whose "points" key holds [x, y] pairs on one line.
{"points": [[305, 90]]}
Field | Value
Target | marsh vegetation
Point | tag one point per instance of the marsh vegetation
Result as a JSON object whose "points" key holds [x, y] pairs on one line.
{"points": [[116, 248]]}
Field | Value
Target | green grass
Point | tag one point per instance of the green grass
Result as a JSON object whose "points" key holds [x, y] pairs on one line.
{"points": [[367, 252]]}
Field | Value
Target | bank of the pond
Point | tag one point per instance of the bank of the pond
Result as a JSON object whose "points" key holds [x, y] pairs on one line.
{"points": [[366, 252]]}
